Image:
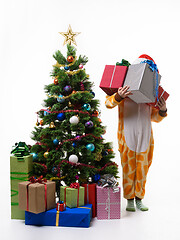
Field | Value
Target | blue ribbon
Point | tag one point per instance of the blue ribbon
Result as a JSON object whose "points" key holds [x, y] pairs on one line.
{"points": [[153, 68]]}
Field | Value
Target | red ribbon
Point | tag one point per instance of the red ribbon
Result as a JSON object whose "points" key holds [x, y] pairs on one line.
{"points": [[72, 185], [37, 180]]}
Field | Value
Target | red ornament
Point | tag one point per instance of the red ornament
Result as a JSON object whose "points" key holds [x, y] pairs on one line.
{"points": [[96, 113], [55, 81], [41, 122], [80, 66], [70, 59]]}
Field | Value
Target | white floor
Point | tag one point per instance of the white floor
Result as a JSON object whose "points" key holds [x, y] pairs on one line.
{"points": [[161, 222]]}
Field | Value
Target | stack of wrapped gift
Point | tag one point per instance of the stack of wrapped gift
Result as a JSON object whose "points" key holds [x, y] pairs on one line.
{"points": [[143, 80], [38, 200], [20, 167]]}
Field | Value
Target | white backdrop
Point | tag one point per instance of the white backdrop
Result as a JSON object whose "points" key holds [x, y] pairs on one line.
{"points": [[110, 31]]}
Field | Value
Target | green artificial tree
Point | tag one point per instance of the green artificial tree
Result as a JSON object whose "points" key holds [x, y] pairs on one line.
{"points": [[69, 143]]}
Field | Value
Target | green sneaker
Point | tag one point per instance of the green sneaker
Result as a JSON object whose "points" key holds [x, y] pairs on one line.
{"points": [[140, 205], [130, 205]]}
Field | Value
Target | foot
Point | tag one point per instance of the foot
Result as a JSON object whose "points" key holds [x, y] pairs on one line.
{"points": [[140, 205], [130, 205]]}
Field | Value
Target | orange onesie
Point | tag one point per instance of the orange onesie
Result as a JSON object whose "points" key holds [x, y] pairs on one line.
{"points": [[136, 142]]}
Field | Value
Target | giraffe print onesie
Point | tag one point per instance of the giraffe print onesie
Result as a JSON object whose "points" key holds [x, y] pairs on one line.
{"points": [[136, 142]]}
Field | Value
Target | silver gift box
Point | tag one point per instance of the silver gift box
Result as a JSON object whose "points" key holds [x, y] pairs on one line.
{"points": [[142, 82]]}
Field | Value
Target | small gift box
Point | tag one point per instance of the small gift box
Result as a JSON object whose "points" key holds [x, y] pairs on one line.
{"points": [[72, 217], [113, 78], [143, 80], [72, 196], [161, 93], [37, 195], [108, 203], [60, 206], [90, 196], [20, 167]]}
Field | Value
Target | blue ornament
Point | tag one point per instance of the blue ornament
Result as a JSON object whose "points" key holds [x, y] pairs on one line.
{"points": [[74, 144], [54, 170], [104, 153], [46, 113], [87, 106], [60, 99], [66, 68], [89, 124], [35, 156], [67, 88], [61, 116], [93, 94], [56, 141], [96, 177], [90, 147]]}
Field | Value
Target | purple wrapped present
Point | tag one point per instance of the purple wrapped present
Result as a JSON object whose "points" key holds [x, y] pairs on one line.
{"points": [[108, 203]]}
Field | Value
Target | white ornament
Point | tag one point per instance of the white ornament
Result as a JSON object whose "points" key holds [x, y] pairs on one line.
{"points": [[74, 120], [73, 158]]}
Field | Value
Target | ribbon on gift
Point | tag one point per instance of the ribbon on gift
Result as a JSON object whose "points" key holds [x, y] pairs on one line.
{"points": [[20, 150], [37, 180], [21, 178], [72, 185], [123, 63], [57, 216], [153, 68], [108, 180]]}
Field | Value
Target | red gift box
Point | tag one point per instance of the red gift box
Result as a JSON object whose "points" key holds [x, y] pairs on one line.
{"points": [[90, 196], [113, 78], [161, 93], [61, 206]]}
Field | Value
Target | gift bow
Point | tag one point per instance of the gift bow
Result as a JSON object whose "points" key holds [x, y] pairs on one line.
{"points": [[123, 63], [74, 185], [37, 180], [151, 64], [108, 180]]}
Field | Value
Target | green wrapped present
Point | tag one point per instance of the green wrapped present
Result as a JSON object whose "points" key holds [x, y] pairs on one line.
{"points": [[20, 167], [73, 196]]}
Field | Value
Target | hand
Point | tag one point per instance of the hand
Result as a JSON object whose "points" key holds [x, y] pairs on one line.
{"points": [[162, 104], [123, 91]]}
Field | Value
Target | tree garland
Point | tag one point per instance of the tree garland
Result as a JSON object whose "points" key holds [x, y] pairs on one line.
{"points": [[63, 65], [74, 92], [64, 111], [86, 165], [78, 138]]}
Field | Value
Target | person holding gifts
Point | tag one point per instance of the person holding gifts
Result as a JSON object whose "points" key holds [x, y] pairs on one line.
{"points": [[135, 140]]}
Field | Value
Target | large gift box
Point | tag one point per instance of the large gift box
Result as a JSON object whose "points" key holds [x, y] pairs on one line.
{"points": [[113, 78], [143, 81], [108, 203], [71, 217], [161, 93], [20, 167], [90, 196], [37, 197], [72, 196]]}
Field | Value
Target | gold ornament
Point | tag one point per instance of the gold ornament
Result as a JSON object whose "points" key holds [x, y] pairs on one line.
{"points": [[98, 157], [51, 125], [41, 122], [46, 154], [69, 36], [37, 123]]}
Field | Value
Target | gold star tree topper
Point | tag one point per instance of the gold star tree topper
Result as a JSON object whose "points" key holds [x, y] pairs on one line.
{"points": [[69, 36]]}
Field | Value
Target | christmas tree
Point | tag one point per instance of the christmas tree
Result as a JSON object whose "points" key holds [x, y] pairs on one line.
{"points": [[69, 144]]}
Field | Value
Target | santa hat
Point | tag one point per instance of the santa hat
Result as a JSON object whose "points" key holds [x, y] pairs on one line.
{"points": [[142, 58]]}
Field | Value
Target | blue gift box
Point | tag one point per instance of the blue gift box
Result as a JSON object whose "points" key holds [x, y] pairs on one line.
{"points": [[71, 217]]}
